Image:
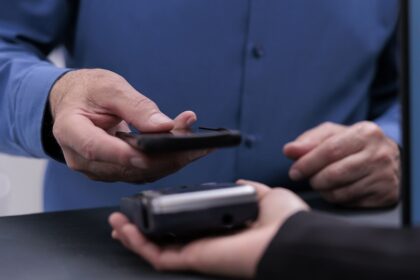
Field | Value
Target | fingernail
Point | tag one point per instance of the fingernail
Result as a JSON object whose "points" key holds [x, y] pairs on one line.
{"points": [[287, 146], [159, 118], [295, 174], [292, 145], [299, 143], [137, 162], [191, 121]]}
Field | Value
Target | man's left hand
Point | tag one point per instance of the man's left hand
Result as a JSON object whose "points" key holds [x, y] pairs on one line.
{"points": [[349, 165]]}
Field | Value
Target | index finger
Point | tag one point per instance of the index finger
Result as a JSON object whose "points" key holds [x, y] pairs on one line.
{"points": [[310, 139], [138, 110], [185, 120], [332, 150]]}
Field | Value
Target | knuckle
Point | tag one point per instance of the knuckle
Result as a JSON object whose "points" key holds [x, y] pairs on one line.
{"points": [[384, 157], [335, 150], [326, 125], [333, 173], [57, 132], [72, 162], [88, 149], [73, 165], [117, 86], [326, 179], [141, 102], [370, 130], [103, 74], [107, 82]]}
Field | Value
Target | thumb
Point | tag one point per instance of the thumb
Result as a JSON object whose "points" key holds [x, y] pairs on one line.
{"points": [[261, 189], [141, 112]]}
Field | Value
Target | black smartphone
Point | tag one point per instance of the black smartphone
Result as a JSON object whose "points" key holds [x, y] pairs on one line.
{"points": [[187, 212], [205, 138]]}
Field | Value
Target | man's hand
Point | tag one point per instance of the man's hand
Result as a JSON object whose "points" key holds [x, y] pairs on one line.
{"points": [[350, 165], [89, 106], [235, 255]]}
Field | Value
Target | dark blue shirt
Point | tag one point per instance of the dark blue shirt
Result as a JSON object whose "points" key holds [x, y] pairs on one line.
{"points": [[271, 68]]}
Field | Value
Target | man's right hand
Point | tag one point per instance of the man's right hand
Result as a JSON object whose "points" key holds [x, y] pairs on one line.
{"points": [[89, 106]]}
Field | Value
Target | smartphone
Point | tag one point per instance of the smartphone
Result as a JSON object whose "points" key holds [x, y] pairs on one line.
{"points": [[205, 138], [187, 212]]}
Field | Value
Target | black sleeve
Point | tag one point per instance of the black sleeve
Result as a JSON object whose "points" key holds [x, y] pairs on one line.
{"points": [[316, 246], [50, 144]]}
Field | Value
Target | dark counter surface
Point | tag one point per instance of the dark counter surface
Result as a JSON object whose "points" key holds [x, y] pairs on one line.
{"points": [[69, 245], [77, 245]]}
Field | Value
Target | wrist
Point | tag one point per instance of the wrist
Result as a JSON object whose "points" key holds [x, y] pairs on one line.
{"points": [[268, 231], [261, 242], [60, 88], [49, 143]]}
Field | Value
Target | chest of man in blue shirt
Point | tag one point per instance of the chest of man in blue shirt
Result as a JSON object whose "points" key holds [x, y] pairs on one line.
{"points": [[272, 69]]}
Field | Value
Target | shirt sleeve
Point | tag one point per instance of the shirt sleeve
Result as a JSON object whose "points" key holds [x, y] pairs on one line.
{"points": [[317, 246], [29, 30]]}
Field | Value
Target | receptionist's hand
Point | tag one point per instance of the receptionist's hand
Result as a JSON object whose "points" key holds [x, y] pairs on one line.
{"points": [[350, 165], [89, 106], [234, 255]]}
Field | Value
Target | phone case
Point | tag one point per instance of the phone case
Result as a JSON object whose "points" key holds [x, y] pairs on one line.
{"points": [[188, 212], [167, 142]]}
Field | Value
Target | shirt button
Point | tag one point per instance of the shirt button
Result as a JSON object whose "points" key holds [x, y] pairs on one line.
{"points": [[258, 51], [250, 140]]}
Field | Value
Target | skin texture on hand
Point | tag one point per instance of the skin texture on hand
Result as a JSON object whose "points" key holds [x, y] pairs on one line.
{"points": [[89, 106], [356, 166], [235, 255]]}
